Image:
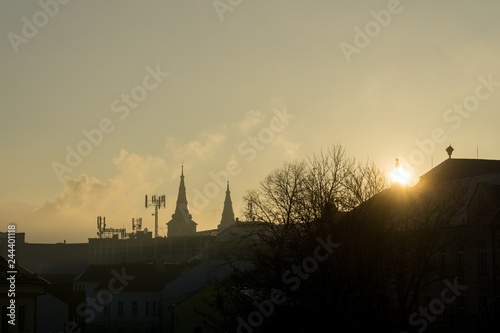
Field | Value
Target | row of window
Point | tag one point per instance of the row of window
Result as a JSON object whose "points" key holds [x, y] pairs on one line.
{"points": [[145, 248], [483, 260], [137, 255], [484, 312], [134, 309], [78, 287]]}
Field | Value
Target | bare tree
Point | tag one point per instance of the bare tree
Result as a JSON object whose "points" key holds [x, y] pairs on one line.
{"points": [[306, 191], [388, 240]]}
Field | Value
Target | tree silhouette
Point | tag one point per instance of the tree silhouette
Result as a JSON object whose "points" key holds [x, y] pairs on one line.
{"points": [[341, 246]]}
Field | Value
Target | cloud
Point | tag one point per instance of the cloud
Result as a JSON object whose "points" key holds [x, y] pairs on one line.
{"points": [[253, 119], [73, 213], [71, 216], [289, 149], [193, 149]]}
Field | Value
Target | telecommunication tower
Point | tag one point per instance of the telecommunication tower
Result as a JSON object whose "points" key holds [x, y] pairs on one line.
{"points": [[104, 232], [137, 224], [101, 225], [158, 201]]}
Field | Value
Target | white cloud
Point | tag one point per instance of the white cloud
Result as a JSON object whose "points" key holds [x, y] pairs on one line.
{"points": [[253, 119], [120, 198], [72, 214], [290, 150], [194, 149]]}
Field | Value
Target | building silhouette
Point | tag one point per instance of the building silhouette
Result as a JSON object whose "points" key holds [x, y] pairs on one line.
{"points": [[227, 212], [182, 223], [182, 244], [25, 291], [470, 253], [173, 274], [473, 257]]}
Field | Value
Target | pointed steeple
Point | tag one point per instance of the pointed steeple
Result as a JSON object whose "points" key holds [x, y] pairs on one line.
{"points": [[227, 212], [181, 223], [181, 196]]}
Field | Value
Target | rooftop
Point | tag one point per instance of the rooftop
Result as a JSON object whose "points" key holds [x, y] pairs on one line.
{"points": [[457, 168]]}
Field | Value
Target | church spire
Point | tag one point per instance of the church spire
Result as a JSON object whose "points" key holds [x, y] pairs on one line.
{"points": [[181, 196], [181, 223], [227, 212]]}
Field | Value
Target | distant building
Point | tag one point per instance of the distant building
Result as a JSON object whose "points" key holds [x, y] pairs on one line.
{"points": [[111, 251], [58, 258], [182, 244], [28, 286], [189, 312], [55, 309], [123, 298], [182, 223], [238, 240], [189, 298], [474, 258], [51, 314], [471, 254], [227, 212]]}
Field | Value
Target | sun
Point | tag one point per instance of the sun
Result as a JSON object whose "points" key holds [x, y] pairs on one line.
{"points": [[400, 174]]}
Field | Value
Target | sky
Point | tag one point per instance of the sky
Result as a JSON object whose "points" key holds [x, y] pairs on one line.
{"points": [[102, 102]]}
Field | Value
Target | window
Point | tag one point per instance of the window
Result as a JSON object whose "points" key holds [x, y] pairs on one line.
{"points": [[461, 259], [154, 308], [461, 311], [442, 262], [498, 255], [120, 309], [443, 318], [482, 310], [147, 308], [134, 308], [483, 258]]}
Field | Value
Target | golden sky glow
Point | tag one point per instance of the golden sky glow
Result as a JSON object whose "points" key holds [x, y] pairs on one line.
{"points": [[400, 175], [103, 100]]}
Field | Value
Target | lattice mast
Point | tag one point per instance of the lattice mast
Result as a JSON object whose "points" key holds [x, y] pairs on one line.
{"points": [[158, 201]]}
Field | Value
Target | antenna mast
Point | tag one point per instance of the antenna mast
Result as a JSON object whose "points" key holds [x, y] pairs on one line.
{"points": [[158, 201], [137, 224], [101, 225]]}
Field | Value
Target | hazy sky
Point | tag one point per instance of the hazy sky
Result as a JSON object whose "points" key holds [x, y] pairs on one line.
{"points": [[102, 101]]}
